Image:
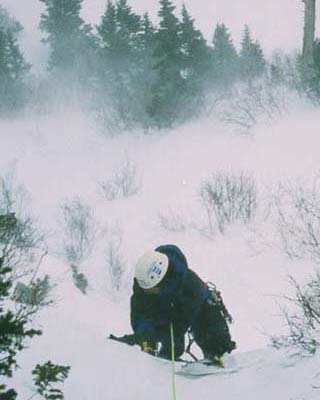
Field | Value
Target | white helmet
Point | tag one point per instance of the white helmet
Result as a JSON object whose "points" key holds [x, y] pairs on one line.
{"points": [[151, 269]]}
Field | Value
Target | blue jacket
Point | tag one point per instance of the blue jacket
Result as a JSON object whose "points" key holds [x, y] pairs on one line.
{"points": [[180, 299]]}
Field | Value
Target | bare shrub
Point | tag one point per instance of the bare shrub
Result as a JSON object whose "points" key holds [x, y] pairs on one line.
{"points": [[263, 100], [109, 120], [298, 210], [21, 245], [257, 102], [20, 238], [284, 70], [79, 228], [29, 293], [303, 325], [298, 222], [228, 198], [123, 183], [79, 231], [115, 264], [172, 221]]}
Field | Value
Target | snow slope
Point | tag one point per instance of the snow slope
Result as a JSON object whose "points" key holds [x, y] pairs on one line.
{"points": [[58, 157]]}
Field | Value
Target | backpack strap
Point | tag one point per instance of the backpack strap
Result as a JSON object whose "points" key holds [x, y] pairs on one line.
{"points": [[216, 299]]}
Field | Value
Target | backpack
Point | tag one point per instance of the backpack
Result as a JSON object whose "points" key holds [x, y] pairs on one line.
{"points": [[216, 300]]}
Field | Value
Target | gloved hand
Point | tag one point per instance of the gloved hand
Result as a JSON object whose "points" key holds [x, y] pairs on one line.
{"points": [[149, 347], [147, 341]]}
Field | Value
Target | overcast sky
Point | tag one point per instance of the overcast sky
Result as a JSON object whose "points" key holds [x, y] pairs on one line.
{"points": [[277, 24]]}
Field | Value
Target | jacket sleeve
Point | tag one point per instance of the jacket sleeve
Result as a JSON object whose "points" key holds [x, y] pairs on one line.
{"points": [[146, 320], [188, 306], [143, 327]]}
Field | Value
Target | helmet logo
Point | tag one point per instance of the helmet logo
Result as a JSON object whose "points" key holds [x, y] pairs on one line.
{"points": [[154, 269]]}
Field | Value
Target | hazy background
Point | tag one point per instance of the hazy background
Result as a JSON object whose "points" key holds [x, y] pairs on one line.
{"points": [[276, 23]]}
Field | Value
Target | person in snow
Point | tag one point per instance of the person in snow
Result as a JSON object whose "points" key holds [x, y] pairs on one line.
{"points": [[166, 291]]}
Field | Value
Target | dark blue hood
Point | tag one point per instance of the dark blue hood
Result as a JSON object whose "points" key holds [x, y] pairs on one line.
{"points": [[177, 269]]}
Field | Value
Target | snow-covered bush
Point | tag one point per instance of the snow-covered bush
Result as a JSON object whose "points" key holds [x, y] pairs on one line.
{"points": [[20, 238], [172, 221], [115, 264], [228, 198], [304, 324], [79, 229], [22, 247], [263, 100], [254, 103], [284, 70], [108, 118], [298, 223], [298, 211], [124, 181]]}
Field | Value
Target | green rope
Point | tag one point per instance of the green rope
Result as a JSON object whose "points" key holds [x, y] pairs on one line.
{"points": [[173, 364]]}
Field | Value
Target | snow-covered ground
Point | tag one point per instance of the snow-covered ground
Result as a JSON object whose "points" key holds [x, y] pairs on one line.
{"points": [[60, 157]]}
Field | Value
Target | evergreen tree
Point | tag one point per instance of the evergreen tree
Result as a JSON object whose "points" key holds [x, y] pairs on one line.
{"points": [[16, 312], [72, 47], [145, 76], [224, 57], [168, 65], [107, 29], [194, 49], [13, 327], [13, 67], [8, 23], [118, 32], [194, 64], [252, 61], [128, 28], [119, 37], [147, 33]]}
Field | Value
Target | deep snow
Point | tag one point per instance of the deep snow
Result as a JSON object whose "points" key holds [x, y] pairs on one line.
{"points": [[59, 157]]}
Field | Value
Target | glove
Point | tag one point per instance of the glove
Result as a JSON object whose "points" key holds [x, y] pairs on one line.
{"points": [[147, 341], [149, 347]]}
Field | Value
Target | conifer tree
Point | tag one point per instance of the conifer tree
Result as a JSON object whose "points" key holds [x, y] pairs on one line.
{"points": [[194, 49], [71, 44], [118, 33], [145, 76], [128, 28], [224, 57], [18, 304], [9, 23], [108, 27], [13, 67], [13, 327], [194, 64], [168, 65], [252, 61], [119, 36], [147, 32]]}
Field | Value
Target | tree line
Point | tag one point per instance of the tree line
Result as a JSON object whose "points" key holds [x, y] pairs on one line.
{"points": [[126, 70]]}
